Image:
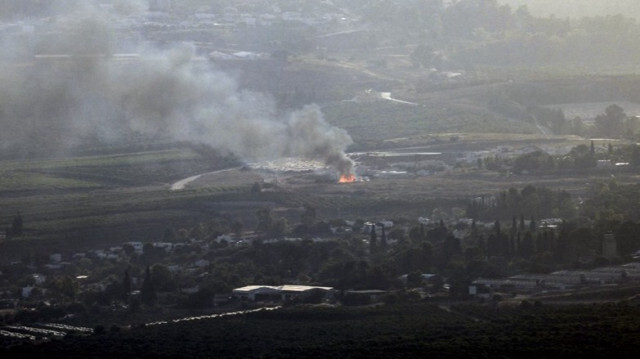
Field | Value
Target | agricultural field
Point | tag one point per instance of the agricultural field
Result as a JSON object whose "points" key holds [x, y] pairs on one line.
{"points": [[112, 195], [397, 330], [373, 121], [112, 198], [84, 201]]}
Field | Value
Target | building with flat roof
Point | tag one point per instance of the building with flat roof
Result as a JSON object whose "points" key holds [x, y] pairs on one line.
{"points": [[283, 292]]}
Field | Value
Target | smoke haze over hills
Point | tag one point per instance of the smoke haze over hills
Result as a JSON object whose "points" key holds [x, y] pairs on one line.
{"points": [[77, 91]]}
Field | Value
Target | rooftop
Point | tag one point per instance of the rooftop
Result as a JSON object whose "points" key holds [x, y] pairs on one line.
{"points": [[283, 288]]}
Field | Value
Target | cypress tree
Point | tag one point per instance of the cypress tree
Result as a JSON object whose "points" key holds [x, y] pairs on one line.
{"points": [[16, 225], [148, 292], [383, 239], [373, 236], [126, 283]]}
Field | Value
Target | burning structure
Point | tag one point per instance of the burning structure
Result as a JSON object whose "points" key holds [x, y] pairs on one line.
{"points": [[347, 178]]}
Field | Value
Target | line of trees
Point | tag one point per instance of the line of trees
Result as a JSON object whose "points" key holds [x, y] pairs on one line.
{"points": [[581, 158], [608, 201], [16, 228], [613, 122], [531, 201]]}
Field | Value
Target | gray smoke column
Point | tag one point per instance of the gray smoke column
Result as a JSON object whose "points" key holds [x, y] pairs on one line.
{"points": [[59, 101], [312, 137]]}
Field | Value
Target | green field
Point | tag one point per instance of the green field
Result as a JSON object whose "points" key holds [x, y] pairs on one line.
{"points": [[90, 200], [384, 119]]}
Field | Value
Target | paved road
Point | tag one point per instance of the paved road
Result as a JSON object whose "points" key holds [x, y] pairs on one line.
{"points": [[184, 182], [387, 96]]}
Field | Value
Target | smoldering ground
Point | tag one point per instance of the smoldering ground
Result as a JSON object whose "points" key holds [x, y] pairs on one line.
{"points": [[72, 89]]}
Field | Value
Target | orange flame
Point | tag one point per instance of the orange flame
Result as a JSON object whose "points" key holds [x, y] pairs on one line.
{"points": [[347, 178]]}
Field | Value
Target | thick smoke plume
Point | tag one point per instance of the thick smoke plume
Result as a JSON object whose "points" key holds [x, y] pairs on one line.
{"points": [[77, 89]]}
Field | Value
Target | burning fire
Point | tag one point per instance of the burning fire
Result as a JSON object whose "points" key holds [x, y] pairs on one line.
{"points": [[347, 178]]}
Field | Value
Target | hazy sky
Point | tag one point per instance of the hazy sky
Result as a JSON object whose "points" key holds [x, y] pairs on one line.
{"points": [[579, 8]]}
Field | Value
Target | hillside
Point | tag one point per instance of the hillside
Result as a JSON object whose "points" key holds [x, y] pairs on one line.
{"points": [[577, 8]]}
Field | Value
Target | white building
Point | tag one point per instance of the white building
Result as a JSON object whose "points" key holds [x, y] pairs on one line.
{"points": [[26, 291], [283, 292], [55, 258]]}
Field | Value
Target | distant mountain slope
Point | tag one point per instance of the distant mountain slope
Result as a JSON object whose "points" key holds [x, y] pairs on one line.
{"points": [[578, 8]]}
